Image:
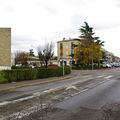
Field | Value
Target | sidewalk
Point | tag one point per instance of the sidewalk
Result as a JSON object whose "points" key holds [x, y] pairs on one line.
{"points": [[9, 86]]}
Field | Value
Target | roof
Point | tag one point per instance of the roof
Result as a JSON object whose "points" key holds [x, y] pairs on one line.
{"points": [[65, 40]]}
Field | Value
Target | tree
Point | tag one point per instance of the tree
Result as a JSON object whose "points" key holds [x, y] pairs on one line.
{"points": [[31, 52], [40, 54], [45, 53], [89, 49], [21, 57], [98, 50]]}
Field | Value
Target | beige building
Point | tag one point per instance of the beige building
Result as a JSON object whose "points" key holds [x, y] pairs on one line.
{"points": [[5, 48], [65, 50]]}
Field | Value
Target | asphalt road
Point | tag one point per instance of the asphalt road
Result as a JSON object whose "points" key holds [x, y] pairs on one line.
{"points": [[95, 98], [79, 76], [86, 88]]}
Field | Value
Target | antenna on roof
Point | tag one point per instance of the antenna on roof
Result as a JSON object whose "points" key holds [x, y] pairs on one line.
{"points": [[63, 38]]}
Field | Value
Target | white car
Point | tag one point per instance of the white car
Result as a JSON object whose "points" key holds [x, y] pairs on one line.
{"points": [[107, 65], [18, 65]]}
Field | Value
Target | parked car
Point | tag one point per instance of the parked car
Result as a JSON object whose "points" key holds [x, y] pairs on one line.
{"points": [[107, 65], [116, 64], [18, 65], [32, 66]]}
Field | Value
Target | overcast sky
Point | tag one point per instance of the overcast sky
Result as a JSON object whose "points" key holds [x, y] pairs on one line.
{"points": [[36, 22]]}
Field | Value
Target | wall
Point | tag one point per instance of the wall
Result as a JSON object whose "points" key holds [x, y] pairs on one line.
{"points": [[5, 48]]}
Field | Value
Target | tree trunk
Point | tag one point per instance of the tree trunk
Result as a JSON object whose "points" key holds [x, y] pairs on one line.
{"points": [[46, 64]]}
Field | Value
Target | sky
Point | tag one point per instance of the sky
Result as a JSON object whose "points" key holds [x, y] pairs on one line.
{"points": [[37, 22]]}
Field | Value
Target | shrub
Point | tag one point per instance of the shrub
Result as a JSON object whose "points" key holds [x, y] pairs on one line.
{"points": [[59, 71], [42, 73], [67, 70], [2, 77], [52, 66], [36, 73]]}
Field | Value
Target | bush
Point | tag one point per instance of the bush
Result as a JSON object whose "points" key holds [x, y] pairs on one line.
{"points": [[67, 70], [20, 74], [59, 71], [2, 77], [52, 66], [36, 73]]}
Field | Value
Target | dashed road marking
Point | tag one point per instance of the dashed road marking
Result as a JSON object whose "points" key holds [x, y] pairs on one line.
{"points": [[22, 99], [86, 76], [4, 103], [109, 76], [100, 76]]}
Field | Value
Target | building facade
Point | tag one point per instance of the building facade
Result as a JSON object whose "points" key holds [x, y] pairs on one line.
{"points": [[5, 48], [65, 50]]}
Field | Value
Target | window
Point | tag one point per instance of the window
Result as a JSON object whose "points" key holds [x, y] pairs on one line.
{"points": [[61, 49]]}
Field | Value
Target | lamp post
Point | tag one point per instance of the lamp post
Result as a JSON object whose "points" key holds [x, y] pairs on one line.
{"points": [[70, 63], [63, 67]]}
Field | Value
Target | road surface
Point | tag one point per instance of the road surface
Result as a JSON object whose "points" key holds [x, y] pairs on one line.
{"points": [[88, 88], [78, 76], [94, 98]]}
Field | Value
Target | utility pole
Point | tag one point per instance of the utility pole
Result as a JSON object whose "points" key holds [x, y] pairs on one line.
{"points": [[92, 58]]}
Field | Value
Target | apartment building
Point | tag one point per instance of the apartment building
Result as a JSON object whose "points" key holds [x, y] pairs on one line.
{"points": [[65, 50], [5, 48]]}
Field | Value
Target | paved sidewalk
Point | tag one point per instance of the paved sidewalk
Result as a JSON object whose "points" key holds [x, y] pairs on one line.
{"points": [[9, 86]]}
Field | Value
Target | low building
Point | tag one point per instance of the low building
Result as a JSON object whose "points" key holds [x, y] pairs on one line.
{"points": [[5, 48]]}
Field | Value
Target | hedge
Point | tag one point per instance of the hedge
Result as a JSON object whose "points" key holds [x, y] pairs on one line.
{"points": [[31, 74], [2, 77]]}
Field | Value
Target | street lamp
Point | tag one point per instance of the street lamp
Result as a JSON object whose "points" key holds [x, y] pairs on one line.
{"points": [[63, 67], [70, 62]]}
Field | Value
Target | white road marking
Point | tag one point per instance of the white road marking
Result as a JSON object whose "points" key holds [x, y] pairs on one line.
{"points": [[86, 76], [30, 97], [71, 87], [100, 76], [109, 76], [79, 92], [85, 79], [47, 91], [4, 103], [22, 99], [37, 94]]}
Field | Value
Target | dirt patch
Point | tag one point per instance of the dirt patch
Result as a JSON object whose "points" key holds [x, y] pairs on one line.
{"points": [[107, 112], [59, 114]]}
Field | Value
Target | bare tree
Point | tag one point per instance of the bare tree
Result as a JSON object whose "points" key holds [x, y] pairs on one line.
{"points": [[21, 57], [31, 52], [40, 54], [45, 53]]}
